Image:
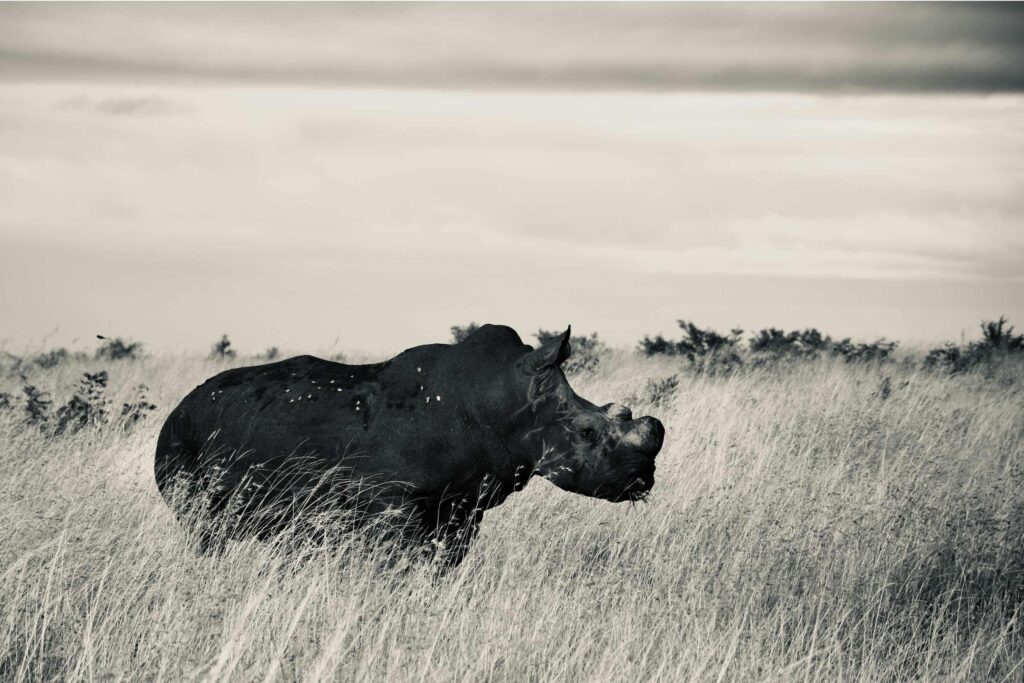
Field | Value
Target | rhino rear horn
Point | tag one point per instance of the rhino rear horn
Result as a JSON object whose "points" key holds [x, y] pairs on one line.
{"points": [[552, 353]]}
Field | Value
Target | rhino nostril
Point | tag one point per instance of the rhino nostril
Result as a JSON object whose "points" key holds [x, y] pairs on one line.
{"points": [[657, 431]]}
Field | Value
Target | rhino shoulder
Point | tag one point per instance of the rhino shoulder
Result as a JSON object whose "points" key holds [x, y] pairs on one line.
{"points": [[494, 335]]}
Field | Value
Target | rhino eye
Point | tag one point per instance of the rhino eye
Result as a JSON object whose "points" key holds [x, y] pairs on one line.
{"points": [[588, 434]]}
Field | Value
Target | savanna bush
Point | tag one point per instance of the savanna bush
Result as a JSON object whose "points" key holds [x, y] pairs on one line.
{"points": [[88, 407], [775, 344], [707, 350], [117, 348], [863, 352], [51, 358], [222, 349], [695, 343], [54, 357], [461, 333], [137, 409], [657, 393], [37, 405], [703, 348], [998, 343]]}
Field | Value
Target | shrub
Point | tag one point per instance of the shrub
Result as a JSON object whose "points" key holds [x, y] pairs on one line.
{"points": [[11, 365], [222, 349], [660, 392], [461, 332], [775, 342], [87, 408], [134, 412], [657, 346], [997, 335], [118, 349], [273, 353], [948, 356], [997, 343], [695, 343], [863, 353], [706, 348], [37, 406], [51, 358], [698, 343], [6, 401], [586, 350]]}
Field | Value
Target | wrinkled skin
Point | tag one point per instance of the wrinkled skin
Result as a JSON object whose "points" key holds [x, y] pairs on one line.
{"points": [[442, 432]]}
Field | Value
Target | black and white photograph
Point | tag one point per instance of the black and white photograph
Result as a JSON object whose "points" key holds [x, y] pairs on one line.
{"points": [[511, 341]]}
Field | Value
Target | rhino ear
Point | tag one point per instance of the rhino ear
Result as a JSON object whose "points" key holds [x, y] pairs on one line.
{"points": [[551, 354]]}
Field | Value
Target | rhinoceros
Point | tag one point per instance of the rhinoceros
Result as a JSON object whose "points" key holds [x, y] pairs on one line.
{"points": [[442, 432]]}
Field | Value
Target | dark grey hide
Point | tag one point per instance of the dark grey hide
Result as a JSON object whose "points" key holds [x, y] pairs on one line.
{"points": [[440, 432]]}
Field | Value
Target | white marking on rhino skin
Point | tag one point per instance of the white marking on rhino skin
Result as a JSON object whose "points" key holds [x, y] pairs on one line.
{"points": [[437, 398]]}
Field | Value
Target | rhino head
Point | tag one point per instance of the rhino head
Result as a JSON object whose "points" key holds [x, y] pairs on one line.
{"points": [[598, 451]]}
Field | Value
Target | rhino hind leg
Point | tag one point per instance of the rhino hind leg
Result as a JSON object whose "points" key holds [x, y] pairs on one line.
{"points": [[197, 512]]}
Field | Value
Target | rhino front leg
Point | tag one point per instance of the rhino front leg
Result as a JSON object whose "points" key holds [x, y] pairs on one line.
{"points": [[449, 529]]}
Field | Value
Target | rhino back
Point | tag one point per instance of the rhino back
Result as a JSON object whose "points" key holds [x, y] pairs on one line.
{"points": [[397, 421]]}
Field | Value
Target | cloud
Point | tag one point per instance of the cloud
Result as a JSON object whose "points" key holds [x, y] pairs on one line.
{"points": [[795, 185], [286, 215], [152, 105], [912, 47]]}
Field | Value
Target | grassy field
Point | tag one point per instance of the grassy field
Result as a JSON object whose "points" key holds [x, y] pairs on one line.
{"points": [[823, 520]]}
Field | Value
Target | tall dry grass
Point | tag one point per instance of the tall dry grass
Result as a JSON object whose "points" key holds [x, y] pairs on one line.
{"points": [[817, 521]]}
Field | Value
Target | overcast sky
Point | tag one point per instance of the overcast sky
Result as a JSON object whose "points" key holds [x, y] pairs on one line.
{"points": [[363, 177]]}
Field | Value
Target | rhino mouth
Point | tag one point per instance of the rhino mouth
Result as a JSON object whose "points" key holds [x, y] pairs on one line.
{"points": [[637, 487]]}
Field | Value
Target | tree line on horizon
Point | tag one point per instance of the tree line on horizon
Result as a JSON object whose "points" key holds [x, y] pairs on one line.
{"points": [[698, 349], [707, 349], [696, 345]]}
